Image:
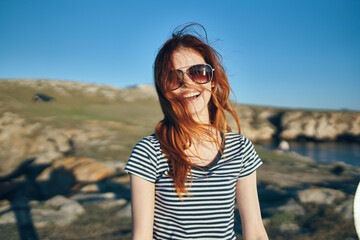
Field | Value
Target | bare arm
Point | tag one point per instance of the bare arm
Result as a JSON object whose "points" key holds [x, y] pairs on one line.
{"points": [[142, 202], [249, 209]]}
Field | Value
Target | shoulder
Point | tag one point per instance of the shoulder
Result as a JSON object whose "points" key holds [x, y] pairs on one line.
{"points": [[148, 145], [143, 160], [150, 141], [236, 137], [238, 143]]}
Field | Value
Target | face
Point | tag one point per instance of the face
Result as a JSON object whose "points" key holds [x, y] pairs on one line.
{"points": [[196, 96]]}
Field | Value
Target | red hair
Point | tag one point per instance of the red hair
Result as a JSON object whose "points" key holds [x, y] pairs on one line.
{"points": [[177, 129]]}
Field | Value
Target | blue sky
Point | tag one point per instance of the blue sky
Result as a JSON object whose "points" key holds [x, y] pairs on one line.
{"points": [[286, 53]]}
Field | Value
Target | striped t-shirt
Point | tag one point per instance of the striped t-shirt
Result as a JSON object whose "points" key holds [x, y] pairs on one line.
{"points": [[207, 211]]}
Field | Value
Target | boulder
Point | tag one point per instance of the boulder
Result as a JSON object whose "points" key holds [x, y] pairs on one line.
{"points": [[113, 203], [58, 210], [83, 169], [290, 228], [93, 197], [346, 209], [125, 212], [291, 206], [20, 140], [320, 195]]}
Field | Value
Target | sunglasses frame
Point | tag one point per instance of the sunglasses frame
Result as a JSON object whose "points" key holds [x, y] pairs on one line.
{"points": [[187, 73]]}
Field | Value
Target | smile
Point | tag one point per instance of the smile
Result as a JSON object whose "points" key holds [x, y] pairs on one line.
{"points": [[191, 95]]}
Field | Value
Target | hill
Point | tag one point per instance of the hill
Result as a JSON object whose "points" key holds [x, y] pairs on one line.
{"points": [[95, 116]]}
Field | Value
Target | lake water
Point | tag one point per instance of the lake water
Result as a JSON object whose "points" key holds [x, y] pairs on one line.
{"points": [[325, 151]]}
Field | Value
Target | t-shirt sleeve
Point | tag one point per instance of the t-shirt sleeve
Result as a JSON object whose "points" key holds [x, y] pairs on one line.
{"points": [[251, 160], [142, 161]]}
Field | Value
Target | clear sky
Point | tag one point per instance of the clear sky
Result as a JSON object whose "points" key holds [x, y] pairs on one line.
{"points": [[287, 53]]}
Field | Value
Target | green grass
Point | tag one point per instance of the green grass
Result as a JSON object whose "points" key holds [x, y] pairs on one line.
{"points": [[281, 218]]}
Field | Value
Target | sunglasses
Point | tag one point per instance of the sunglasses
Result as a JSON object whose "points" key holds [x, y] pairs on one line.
{"points": [[199, 73]]}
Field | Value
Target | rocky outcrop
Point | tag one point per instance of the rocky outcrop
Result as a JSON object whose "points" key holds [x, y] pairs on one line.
{"points": [[265, 124], [320, 195], [20, 139], [35, 193], [320, 126], [255, 123], [61, 211], [83, 169]]}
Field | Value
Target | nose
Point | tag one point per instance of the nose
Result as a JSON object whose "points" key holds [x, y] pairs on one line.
{"points": [[187, 80]]}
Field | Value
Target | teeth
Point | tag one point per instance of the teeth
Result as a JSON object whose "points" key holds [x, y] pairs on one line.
{"points": [[192, 94]]}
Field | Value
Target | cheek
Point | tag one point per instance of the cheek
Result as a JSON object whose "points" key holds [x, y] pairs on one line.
{"points": [[208, 88]]}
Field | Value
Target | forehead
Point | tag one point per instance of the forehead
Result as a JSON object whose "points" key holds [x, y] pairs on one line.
{"points": [[184, 57]]}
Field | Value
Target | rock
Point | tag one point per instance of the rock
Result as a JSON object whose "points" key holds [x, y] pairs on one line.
{"points": [[90, 188], [85, 169], [6, 214], [346, 209], [65, 205], [93, 197], [125, 212], [4, 204], [104, 200], [20, 140], [62, 142], [47, 157], [291, 206], [289, 228], [113, 203], [64, 173], [255, 123], [59, 210], [320, 195], [7, 217], [284, 146], [321, 126]]}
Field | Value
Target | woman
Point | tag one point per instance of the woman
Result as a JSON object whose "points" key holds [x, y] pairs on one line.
{"points": [[186, 176]]}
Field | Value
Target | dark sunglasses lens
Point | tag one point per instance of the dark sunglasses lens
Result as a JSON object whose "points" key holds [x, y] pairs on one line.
{"points": [[201, 73]]}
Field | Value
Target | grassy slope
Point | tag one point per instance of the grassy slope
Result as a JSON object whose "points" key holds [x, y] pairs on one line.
{"points": [[129, 121]]}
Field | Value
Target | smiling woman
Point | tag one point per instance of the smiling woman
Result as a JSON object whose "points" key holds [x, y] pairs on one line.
{"points": [[186, 176]]}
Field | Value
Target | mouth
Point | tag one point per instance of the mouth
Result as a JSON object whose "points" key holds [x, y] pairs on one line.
{"points": [[191, 95]]}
